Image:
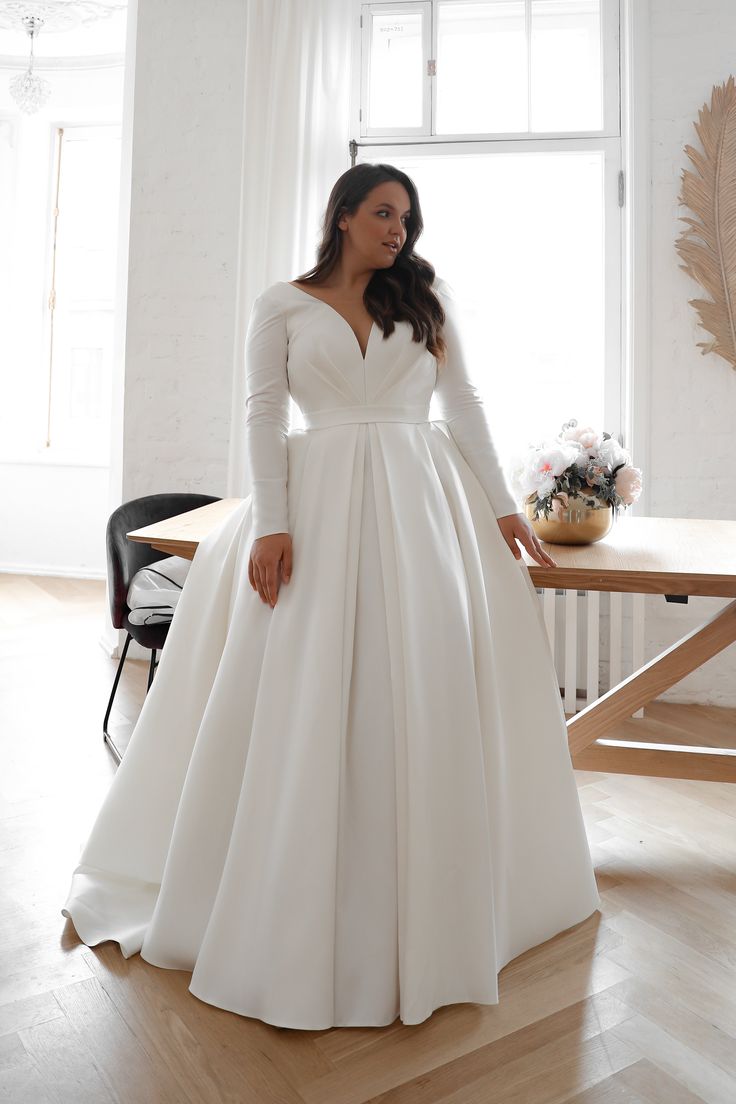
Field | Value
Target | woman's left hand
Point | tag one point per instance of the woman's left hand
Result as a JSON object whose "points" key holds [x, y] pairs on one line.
{"points": [[516, 527]]}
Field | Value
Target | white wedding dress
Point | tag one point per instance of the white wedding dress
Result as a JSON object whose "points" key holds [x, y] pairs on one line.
{"points": [[358, 804]]}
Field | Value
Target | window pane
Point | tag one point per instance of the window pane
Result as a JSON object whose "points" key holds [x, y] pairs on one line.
{"points": [[395, 73], [16, 384], [87, 229], [481, 68], [85, 282], [520, 238], [566, 65]]}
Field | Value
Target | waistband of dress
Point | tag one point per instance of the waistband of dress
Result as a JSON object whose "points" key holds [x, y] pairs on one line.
{"points": [[366, 412]]}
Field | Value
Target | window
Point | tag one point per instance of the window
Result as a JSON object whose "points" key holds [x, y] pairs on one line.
{"points": [[56, 342], [505, 113], [81, 344]]}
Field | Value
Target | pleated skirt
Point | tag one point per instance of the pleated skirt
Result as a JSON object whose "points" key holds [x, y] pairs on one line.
{"points": [[359, 805]]}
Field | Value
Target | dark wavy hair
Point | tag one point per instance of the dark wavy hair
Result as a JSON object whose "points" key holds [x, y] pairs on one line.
{"points": [[402, 292]]}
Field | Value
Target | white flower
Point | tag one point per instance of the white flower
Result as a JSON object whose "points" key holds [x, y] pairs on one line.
{"points": [[611, 453], [545, 486], [586, 436], [554, 458], [543, 467]]}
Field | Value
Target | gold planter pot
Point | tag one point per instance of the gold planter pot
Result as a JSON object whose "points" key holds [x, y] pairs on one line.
{"points": [[578, 524]]}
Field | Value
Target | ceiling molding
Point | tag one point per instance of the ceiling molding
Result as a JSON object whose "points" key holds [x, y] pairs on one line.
{"points": [[82, 61], [57, 15]]}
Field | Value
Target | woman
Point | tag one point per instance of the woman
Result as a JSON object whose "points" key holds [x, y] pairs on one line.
{"points": [[349, 796]]}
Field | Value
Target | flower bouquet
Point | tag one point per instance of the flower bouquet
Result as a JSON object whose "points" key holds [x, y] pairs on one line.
{"points": [[575, 483]]}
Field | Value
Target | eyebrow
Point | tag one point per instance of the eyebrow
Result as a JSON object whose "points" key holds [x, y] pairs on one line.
{"points": [[408, 212]]}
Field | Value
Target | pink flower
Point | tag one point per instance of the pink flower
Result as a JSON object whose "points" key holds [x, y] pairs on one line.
{"points": [[585, 436], [628, 483], [589, 439]]}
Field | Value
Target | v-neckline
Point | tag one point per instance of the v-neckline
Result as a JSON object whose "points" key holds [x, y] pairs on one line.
{"points": [[363, 355]]}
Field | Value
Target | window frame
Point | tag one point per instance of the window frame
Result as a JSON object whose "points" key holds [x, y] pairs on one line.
{"points": [[424, 6], [610, 78]]}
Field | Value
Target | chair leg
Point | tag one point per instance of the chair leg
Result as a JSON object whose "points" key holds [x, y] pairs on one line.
{"points": [[151, 669], [105, 734]]}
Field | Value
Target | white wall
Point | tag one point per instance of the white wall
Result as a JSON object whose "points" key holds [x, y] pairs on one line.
{"points": [[693, 397], [53, 519], [184, 239]]}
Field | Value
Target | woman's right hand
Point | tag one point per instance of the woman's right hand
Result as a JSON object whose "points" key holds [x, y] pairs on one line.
{"points": [[269, 564]]}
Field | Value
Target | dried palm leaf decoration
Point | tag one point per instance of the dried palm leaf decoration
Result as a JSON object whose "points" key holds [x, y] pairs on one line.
{"points": [[708, 244]]}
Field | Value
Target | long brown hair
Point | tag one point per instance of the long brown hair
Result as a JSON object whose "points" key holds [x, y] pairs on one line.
{"points": [[402, 292]]}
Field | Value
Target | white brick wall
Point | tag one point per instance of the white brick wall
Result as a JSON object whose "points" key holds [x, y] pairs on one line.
{"points": [[184, 231], [693, 397]]}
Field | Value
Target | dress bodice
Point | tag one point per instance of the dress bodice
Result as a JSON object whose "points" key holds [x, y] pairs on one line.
{"points": [[301, 347], [326, 368]]}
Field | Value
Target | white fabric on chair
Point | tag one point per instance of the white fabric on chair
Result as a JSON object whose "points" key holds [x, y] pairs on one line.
{"points": [[154, 590]]}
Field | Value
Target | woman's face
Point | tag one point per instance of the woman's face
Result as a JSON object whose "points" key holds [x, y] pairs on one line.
{"points": [[379, 222]]}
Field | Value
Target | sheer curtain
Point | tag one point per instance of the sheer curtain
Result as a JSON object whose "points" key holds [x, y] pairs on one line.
{"points": [[295, 145]]}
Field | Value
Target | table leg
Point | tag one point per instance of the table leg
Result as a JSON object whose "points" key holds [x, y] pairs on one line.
{"points": [[643, 686]]}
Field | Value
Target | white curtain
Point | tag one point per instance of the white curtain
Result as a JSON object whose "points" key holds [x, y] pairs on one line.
{"points": [[295, 146]]}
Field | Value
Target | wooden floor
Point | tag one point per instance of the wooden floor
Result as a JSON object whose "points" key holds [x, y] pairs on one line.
{"points": [[637, 1005]]}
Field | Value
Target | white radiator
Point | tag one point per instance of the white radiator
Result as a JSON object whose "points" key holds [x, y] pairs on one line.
{"points": [[597, 638]]}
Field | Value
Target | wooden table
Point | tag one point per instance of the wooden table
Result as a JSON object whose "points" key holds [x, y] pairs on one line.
{"points": [[641, 555]]}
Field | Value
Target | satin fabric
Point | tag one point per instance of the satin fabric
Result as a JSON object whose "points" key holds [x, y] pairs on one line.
{"points": [[359, 804]]}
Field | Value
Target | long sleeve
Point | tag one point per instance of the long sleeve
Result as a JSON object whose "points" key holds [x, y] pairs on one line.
{"points": [[462, 409], [267, 417]]}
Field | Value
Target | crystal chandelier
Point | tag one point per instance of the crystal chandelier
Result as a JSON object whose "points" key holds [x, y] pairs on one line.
{"points": [[27, 89]]}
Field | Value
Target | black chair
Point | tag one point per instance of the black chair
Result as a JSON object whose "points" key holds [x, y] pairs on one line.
{"points": [[124, 559]]}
